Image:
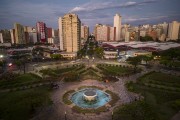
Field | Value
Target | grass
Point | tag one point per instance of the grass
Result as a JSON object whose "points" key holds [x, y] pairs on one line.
{"points": [[20, 80], [161, 92], [84, 111], [115, 70], [138, 110], [21, 105]]}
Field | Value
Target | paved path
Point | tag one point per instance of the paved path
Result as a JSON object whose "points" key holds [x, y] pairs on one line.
{"points": [[57, 110]]}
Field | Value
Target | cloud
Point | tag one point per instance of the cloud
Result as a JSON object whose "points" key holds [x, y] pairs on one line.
{"points": [[28, 13], [92, 6]]}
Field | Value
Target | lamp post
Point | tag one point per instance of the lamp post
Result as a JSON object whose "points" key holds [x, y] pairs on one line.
{"points": [[88, 61], [112, 115], [65, 115]]}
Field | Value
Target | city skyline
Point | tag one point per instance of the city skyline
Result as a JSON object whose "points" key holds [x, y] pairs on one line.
{"points": [[91, 12]]}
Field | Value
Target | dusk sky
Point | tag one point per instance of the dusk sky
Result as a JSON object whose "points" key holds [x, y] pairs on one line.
{"points": [[90, 12]]}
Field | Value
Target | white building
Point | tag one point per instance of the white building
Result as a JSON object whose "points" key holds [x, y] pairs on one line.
{"points": [[60, 33], [1, 38], [173, 31], [165, 28], [117, 24]]}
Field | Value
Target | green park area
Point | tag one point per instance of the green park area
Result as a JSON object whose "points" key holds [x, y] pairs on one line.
{"points": [[161, 98], [115, 70], [24, 98]]}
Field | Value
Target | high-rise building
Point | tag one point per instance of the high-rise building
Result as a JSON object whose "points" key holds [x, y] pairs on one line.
{"points": [[19, 34], [70, 32], [13, 38], [27, 31], [126, 33], [33, 36], [41, 31], [112, 33], [95, 30], [50, 35], [84, 32], [103, 33], [6, 36], [117, 24], [173, 31], [165, 28], [1, 38]]}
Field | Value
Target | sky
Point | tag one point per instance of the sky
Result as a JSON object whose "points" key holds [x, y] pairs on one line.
{"points": [[90, 12]]}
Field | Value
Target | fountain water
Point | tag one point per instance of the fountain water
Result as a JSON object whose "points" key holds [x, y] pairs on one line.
{"points": [[90, 98]]}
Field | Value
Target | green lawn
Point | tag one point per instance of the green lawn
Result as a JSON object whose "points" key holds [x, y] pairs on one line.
{"points": [[161, 94], [19, 80], [21, 105], [138, 110], [115, 70]]}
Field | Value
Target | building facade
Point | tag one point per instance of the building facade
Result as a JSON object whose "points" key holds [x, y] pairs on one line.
{"points": [[19, 34], [1, 38], [173, 31], [112, 33], [41, 31], [102, 33], [84, 32], [117, 24], [70, 33]]}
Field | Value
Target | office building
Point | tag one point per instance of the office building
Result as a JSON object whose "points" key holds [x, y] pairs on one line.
{"points": [[70, 33], [117, 24], [173, 31], [19, 34], [84, 32], [41, 32]]}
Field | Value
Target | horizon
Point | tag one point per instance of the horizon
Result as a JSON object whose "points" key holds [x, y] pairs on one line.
{"points": [[134, 12]]}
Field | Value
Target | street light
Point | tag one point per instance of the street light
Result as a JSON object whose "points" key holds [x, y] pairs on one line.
{"points": [[65, 115], [88, 61]]}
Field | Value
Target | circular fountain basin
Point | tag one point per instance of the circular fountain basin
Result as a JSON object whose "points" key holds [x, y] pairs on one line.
{"points": [[90, 95], [90, 98]]}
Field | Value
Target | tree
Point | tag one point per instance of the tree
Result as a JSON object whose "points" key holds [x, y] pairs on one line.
{"points": [[172, 53], [81, 53], [99, 52], [146, 58], [56, 56], [2, 65], [134, 61], [18, 64], [146, 38]]}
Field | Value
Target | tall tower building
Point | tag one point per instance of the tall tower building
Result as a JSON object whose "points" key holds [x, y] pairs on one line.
{"points": [[41, 31], [165, 28], [103, 33], [117, 24], [19, 34], [70, 32], [1, 38], [84, 32], [60, 33], [173, 31], [13, 38]]}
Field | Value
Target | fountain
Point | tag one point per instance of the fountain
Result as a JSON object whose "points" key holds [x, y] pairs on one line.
{"points": [[90, 95], [90, 98]]}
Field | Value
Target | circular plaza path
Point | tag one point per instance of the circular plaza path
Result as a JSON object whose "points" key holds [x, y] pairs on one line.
{"points": [[57, 110]]}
